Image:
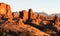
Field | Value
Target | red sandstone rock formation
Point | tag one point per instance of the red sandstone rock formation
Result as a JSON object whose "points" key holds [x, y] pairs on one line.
{"points": [[30, 12], [37, 22], [25, 15], [2, 8], [5, 10]]}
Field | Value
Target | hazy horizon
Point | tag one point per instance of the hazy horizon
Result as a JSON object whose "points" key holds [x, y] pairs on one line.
{"points": [[47, 6]]}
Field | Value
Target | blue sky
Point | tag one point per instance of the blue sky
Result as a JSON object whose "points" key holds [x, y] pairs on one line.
{"points": [[47, 6]]}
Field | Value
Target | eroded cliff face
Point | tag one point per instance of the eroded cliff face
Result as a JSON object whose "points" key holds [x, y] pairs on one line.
{"points": [[5, 10], [27, 23]]}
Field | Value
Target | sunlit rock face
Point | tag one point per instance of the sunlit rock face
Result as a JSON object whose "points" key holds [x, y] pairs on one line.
{"points": [[9, 13], [5, 10], [25, 15]]}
